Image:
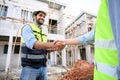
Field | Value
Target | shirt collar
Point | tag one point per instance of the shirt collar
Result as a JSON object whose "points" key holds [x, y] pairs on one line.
{"points": [[37, 25]]}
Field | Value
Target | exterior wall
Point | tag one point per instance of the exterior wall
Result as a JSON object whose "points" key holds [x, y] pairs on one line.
{"points": [[89, 54], [14, 22], [79, 27], [10, 28], [1, 49]]}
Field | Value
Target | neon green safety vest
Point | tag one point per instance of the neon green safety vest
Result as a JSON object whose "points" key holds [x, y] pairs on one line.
{"points": [[39, 34], [106, 54], [34, 57]]}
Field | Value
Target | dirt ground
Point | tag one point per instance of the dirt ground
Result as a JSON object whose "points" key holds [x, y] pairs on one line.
{"points": [[54, 77], [81, 70], [54, 73]]}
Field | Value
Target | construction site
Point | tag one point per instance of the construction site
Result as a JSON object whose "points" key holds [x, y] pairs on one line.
{"points": [[74, 62]]}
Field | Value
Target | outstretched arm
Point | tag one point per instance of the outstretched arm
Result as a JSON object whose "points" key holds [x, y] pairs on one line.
{"points": [[81, 40], [72, 41]]}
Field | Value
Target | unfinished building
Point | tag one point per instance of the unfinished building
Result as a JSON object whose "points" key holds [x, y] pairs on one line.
{"points": [[84, 23], [13, 15]]}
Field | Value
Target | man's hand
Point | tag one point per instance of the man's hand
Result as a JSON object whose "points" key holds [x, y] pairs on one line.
{"points": [[51, 48], [57, 45], [60, 44]]}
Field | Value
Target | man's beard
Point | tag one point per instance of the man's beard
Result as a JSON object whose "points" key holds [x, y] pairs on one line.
{"points": [[39, 22]]}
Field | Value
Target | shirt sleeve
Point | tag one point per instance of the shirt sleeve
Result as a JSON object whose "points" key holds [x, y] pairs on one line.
{"points": [[114, 13], [28, 36], [87, 38]]}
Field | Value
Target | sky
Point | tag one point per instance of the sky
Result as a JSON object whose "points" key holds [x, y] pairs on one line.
{"points": [[74, 7]]}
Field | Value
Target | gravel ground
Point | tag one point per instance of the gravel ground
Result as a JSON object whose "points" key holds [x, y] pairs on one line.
{"points": [[81, 70], [54, 73]]}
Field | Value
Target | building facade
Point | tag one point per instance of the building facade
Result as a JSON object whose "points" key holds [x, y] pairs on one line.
{"points": [[84, 23], [14, 14]]}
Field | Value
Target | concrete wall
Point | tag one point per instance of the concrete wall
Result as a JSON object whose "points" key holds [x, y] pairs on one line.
{"points": [[14, 61], [9, 27], [1, 49], [77, 28]]}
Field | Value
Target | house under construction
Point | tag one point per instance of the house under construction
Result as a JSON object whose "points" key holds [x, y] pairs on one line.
{"points": [[83, 24], [15, 13]]}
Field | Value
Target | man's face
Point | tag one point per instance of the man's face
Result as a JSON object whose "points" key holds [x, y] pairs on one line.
{"points": [[40, 18]]}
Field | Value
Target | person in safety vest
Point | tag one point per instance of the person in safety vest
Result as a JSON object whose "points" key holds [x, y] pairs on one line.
{"points": [[106, 36], [35, 48]]}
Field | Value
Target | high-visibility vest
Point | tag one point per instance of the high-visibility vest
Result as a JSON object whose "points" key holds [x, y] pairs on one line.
{"points": [[33, 57], [106, 54], [39, 34]]}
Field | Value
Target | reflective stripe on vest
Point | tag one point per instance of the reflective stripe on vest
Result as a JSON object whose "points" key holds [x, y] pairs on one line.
{"points": [[105, 52], [109, 44], [102, 76], [106, 56], [30, 56], [106, 69], [40, 36]]}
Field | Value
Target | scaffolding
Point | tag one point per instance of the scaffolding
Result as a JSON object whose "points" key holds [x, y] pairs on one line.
{"points": [[53, 25], [10, 53]]}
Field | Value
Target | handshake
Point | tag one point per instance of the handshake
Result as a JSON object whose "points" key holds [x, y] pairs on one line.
{"points": [[57, 45]]}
